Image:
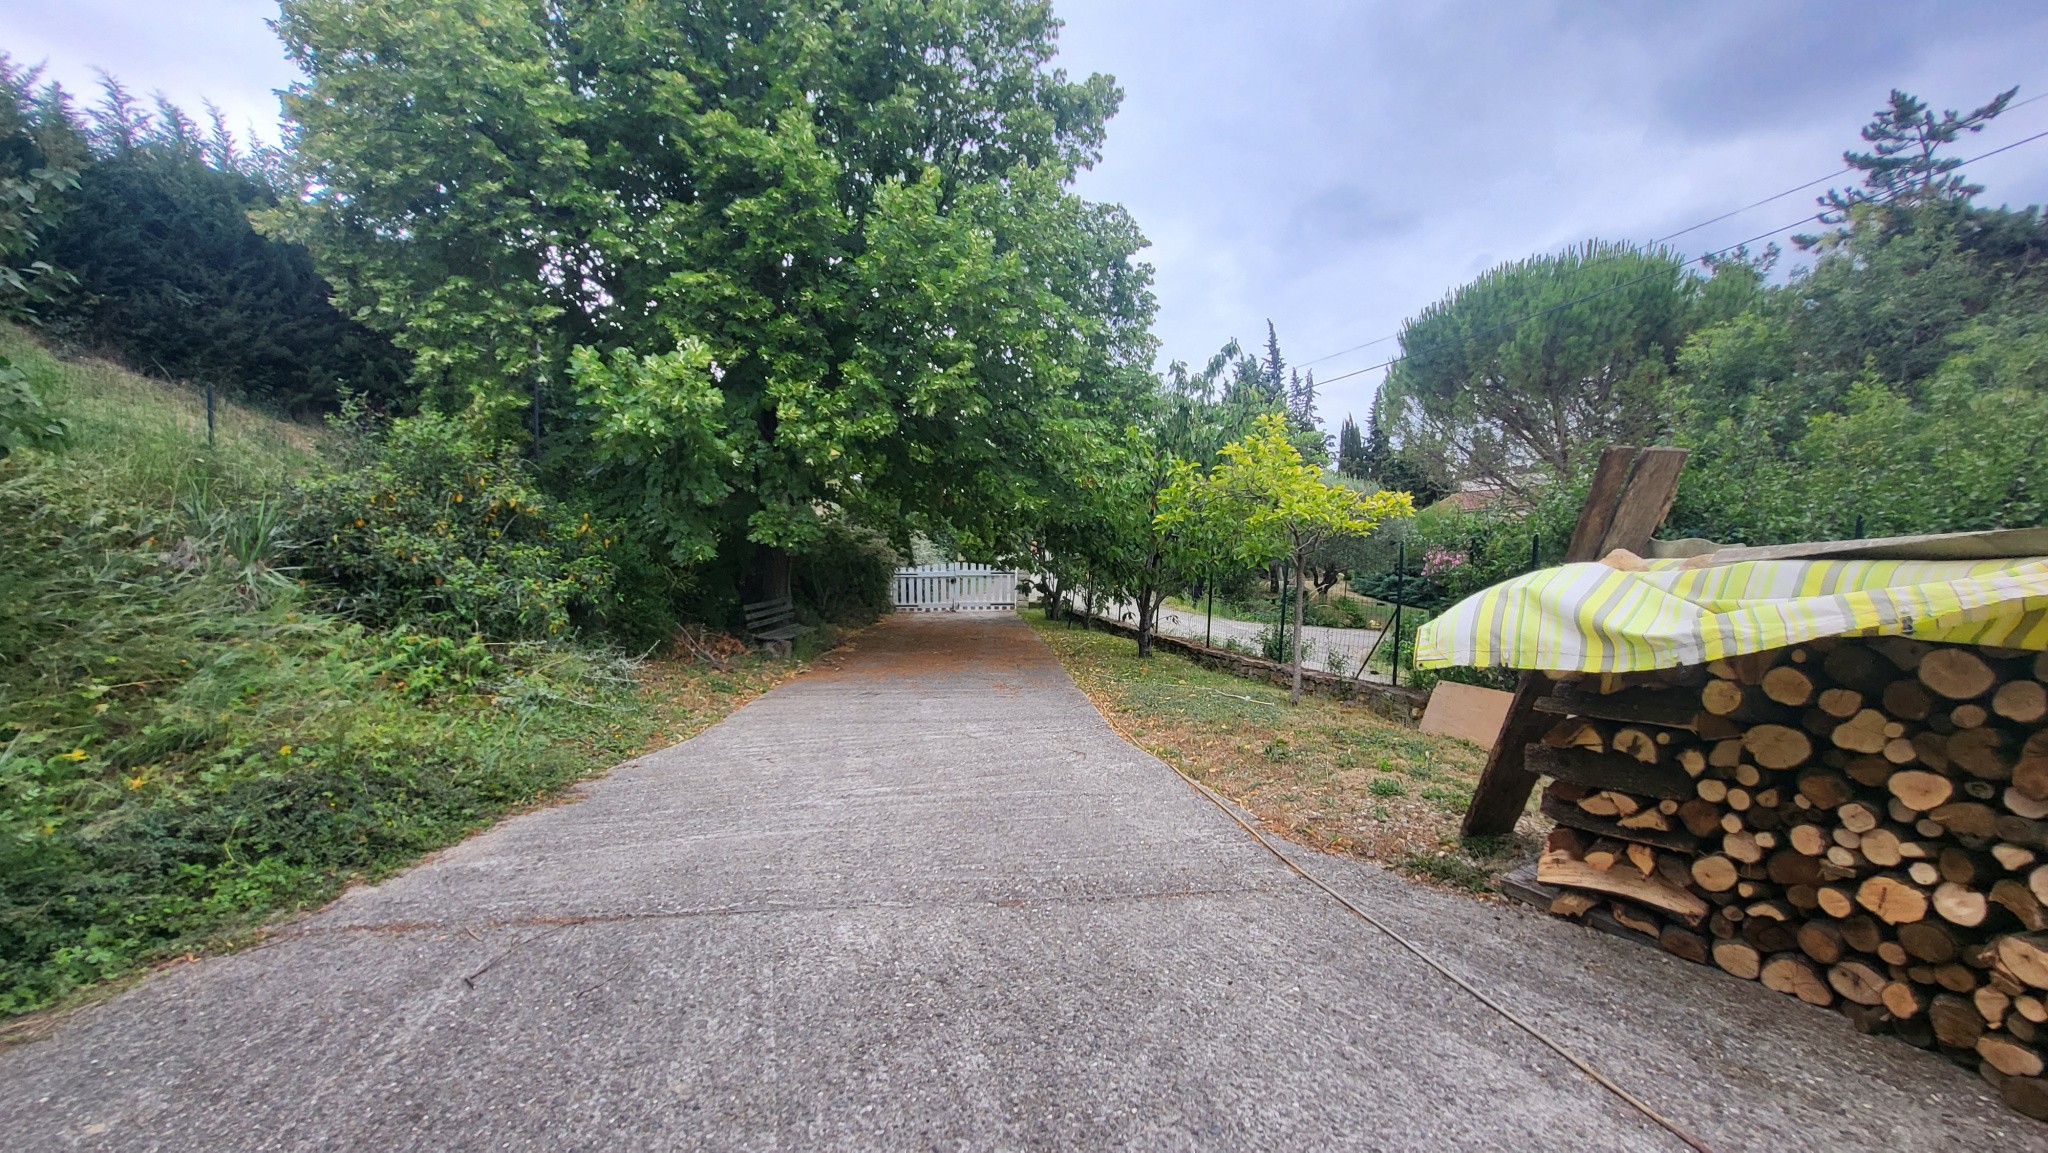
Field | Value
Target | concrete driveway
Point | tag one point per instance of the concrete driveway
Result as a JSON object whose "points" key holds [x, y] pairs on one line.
{"points": [[924, 898]]}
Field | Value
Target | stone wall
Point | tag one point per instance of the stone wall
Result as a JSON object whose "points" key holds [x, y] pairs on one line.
{"points": [[1394, 702]]}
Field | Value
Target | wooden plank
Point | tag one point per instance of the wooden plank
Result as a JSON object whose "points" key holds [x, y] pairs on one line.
{"points": [[1610, 771], [1663, 708], [1614, 500], [1652, 487], [1566, 813], [1522, 885], [1992, 544], [1603, 499], [1467, 712], [1555, 868]]}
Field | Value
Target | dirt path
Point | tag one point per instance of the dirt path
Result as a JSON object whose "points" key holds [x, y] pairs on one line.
{"points": [[926, 899]]}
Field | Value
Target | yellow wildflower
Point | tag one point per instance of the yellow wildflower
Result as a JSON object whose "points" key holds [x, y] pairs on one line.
{"points": [[284, 750]]}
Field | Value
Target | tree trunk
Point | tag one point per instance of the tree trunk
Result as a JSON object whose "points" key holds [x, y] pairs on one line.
{"points": [[1148, 619], [1294, 698]]}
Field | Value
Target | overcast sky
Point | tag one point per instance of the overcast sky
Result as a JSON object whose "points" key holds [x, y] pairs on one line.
{"points": [[1336, 166]]}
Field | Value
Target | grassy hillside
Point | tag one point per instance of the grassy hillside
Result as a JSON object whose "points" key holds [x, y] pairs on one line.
{"points": [[190, 745]]}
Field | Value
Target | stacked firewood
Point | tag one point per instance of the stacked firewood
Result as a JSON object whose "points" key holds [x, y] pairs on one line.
{"points": [[1859, 823]]}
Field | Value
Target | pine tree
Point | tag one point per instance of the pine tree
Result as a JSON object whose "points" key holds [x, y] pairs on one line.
{"points": [[1903, 165], [174, 279]]}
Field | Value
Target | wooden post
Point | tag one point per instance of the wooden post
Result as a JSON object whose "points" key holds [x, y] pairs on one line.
{"points": [[1631, 494], [1400, 580]]}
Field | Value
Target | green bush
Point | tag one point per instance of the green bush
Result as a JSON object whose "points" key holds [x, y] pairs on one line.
{"points": [[186, 746], [431, 525], [25, 421], [847, 577]]}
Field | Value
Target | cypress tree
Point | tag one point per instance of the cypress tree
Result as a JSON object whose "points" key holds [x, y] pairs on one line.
{"points": [[1276, 369], [1350, 449], [1377, 453]]}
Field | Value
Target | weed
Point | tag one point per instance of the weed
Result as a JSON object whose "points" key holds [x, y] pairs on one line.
{"points": [[1322, 770], [189, 745], [1449, 869], [1449, 798]]}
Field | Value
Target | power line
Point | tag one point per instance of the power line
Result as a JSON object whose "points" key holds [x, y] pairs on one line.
{"points": [[1776, 196], [1700, 259], [1839, 172]]}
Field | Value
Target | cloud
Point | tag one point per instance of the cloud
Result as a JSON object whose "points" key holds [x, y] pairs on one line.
{"points": [[1336, 166], [191, 51]]}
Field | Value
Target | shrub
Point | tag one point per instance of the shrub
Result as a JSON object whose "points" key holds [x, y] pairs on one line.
{"points": [[25, 422], [434, 526], [1276, 643], [847, 576]]}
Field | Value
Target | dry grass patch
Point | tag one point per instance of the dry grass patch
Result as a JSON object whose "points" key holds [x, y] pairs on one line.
{"points": [[1329, 776]]}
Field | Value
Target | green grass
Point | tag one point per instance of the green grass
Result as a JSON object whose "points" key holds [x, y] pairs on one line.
{"points": [[1329, 775], [190, 746]]}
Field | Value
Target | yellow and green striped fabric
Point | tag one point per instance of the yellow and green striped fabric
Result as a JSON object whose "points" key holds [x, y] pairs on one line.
{"points": [[1596, 619]]}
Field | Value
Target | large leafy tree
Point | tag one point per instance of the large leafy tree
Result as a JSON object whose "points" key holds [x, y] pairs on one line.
{"points": [[40, 154], [1105, 532], [766, 263]]}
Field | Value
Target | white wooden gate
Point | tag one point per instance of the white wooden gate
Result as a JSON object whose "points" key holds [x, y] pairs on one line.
{"points": [[952, 588]]}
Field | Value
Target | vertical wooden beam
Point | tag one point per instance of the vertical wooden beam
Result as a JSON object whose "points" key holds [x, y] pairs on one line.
{"points": [[1631, 494]]}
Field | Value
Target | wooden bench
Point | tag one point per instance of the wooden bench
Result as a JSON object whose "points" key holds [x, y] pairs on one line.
{"points": [[773, 623]]}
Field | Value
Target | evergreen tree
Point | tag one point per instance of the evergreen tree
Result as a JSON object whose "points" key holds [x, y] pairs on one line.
{"points": [[1303, 419], [1904, 165], [1378, 451], [1301, 399], [1276, 369], [174, 278], [1350, 449]]}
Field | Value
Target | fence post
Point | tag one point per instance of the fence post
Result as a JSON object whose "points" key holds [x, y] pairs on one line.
{"points": [[209, 414], [1535, 541], [1400, 579]]}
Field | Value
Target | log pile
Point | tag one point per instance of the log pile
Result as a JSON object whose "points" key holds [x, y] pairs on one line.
{"points": [[1858, 823]]}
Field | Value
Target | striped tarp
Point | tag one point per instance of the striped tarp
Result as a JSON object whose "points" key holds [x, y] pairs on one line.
{"points": [[1593, 618]]}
